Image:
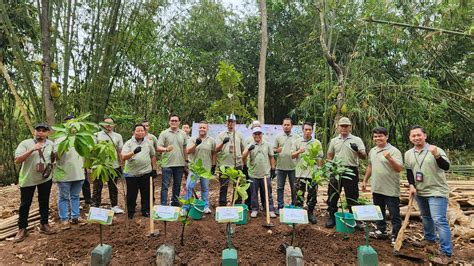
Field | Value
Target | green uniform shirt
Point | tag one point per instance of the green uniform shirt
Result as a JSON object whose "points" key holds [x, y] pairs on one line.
{"points": [[226, 156], [153, 139], [140, 163], [203, 151], [284, 161], [341, 148], [28, 175], [384, 180], [302, 169], [178, 140], [71, 162], [434, 179], [117, 140], [258, 160]]}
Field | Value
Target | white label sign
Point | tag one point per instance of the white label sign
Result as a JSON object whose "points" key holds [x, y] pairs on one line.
{"points": [[228, 214], [166, 213], [367, 213], [103, 216], [294, 216]]}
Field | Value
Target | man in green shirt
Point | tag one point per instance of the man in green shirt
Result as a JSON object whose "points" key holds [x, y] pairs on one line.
{"points": [[109, 135], [426, 165], [229, 146], [172, 142], [285, 165], [385, 164], [34, 155], [69, 186], [304, 172], [348, 149], [260, 164], [139, 154], [201, 148], [152, 138]]}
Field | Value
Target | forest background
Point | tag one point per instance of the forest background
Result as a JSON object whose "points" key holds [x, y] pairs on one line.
{"points": [[379, 62]]}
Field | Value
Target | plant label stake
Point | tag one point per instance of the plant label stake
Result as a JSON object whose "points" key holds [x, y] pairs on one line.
{"points": [[366, 255], [152, 224], [293, 216], [229, 215], [267, 207], [101, 254]]}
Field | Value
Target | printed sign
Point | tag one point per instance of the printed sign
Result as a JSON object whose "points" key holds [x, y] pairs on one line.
{"points": [[165, 213], [229, 214], [293, 216], [367, 213], [101, 216]]}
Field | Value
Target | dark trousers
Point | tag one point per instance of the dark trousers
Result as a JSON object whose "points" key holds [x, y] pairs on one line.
{"points": [[393, 206], [176, 173], [248, 201], [113, 192], [224, 185], [27, 193], [86, 189], [301, 184], [281, 180], [258, 186], [135, 184], [351, 190]]}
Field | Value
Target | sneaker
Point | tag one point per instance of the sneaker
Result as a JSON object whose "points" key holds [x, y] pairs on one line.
{"points": [[441, 259], [45, 229], [254, 214], [207, 210], [393, 240], [183, 212], [277, 211], [360, 226], [273, 215], [64, 225], [377, 234], [78, 221], [117, 210], [21, 235], [145, 214]]}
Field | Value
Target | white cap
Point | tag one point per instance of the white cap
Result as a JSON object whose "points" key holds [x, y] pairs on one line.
{"points": [[256, 129]]}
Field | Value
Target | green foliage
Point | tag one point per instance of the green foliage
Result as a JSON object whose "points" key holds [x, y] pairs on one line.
{"points": [[78, 133], [199, 171], [237, 177]]}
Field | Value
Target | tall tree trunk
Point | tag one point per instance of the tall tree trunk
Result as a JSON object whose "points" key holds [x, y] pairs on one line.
{"points": [[331, 60], [263, 60], [45, 46]]}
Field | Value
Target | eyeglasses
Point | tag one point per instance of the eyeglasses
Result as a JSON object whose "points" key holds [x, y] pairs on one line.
{"points": [[174, 120]]}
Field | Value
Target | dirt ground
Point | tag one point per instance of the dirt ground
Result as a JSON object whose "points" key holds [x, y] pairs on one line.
{"points": [[204, 240]]}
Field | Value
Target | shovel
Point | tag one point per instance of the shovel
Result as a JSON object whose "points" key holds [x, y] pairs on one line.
{"points": [[401, 233], [152, 224], [267, 207]]}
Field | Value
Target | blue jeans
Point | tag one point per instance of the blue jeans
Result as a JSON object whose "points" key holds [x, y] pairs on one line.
{"points": [[190, 184], [68, 192], [177, 173], [433, 212], [258, 185], [281, 179]]}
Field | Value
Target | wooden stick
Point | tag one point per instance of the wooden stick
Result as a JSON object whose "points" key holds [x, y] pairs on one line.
{"points": [[267, 207], [152, 226], [399, 241]]}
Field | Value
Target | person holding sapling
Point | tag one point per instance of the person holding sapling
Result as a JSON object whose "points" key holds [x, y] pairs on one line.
{"points": [[36, 157], [229, 146], [285, 164], [385, 164], [172, 142], [139, 154], [426, 165], [348, 149], [69, 186], [311, 149], [201, 148], [108, 134], [261, 164]]}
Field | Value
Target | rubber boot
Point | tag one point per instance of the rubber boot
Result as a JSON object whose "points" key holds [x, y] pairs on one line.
{"points": [[331, 222]]}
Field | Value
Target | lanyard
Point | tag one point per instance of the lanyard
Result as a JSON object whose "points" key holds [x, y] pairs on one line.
{"points": [[414, 153]]}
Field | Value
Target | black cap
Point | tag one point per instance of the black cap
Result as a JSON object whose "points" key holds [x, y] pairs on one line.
{"points": [[42, 125], [69, 117]]}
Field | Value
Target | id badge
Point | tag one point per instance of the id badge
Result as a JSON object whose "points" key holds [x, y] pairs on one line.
{"points": [[419, 176]]}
